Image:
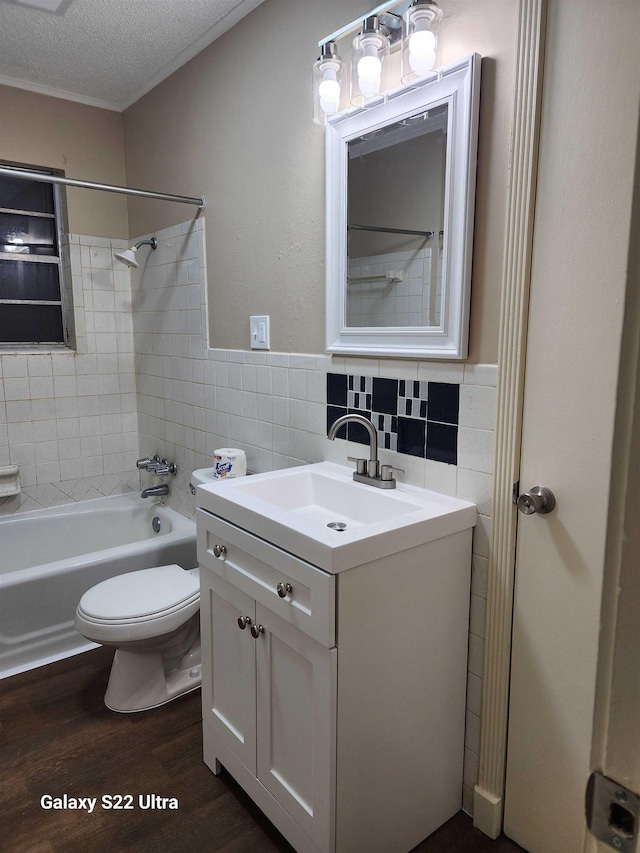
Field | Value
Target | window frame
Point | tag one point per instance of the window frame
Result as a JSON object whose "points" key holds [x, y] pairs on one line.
{"points": [[61, 230]]}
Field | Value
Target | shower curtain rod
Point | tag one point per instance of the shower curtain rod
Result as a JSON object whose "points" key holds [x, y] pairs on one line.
{"points": [[428, 234], [90, 185]]}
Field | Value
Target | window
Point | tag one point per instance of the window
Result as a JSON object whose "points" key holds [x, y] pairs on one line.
{"points": [[31, 273]]}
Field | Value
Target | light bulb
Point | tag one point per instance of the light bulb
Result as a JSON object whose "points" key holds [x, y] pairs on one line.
{"points": [[369, 67], [419, 48], [369, 74], [368, 63], [327, 87], [329, 94], [422, 52], [422, 42]]}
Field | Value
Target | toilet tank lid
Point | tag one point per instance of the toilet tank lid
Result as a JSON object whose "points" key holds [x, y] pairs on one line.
{"points": [[203, 476], [141, 594]]}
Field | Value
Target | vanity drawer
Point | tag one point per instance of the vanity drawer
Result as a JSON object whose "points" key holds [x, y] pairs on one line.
{"points": [[297, 591]]}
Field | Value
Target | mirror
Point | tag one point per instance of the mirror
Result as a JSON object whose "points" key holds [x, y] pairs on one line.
{"points": [[400, 193]]}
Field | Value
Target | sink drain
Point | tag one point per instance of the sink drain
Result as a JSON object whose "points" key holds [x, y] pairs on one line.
{"points": [[337, 525]]}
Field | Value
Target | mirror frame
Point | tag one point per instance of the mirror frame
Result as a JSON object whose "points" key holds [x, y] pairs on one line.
{"points": [[458, 86]]}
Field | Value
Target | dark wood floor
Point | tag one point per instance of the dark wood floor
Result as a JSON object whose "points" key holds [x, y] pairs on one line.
{"points": [[56, 737]]}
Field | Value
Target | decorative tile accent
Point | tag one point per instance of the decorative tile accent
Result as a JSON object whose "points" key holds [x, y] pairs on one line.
{"points": [[444, 402], [357, 432], [333, 413], [412, 398], [387, 428], [336, 389], [411, 436], [442, 442], [385, 396], [415, 417], [359, 394]]}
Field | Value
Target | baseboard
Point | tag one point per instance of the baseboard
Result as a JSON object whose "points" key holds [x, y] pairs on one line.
{"points": [[487, 812]]}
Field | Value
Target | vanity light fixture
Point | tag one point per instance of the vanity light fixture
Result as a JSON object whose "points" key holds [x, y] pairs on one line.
{"points": [[327, 83], [420, 41], [410, 27], [369, 63]]}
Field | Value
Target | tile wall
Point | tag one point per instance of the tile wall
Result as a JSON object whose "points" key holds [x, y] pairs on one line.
{"points": [[68, 418]]}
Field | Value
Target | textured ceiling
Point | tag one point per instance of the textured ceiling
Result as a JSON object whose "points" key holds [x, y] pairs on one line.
{"points": [[108, 52]]}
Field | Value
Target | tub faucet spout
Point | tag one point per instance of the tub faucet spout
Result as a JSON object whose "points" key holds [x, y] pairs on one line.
{"points": [[155, 491]]}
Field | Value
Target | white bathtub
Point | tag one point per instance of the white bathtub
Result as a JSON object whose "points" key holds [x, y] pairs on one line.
{"points": [[50, 557]]}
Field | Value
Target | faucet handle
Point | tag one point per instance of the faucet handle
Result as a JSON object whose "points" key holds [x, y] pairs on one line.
{"points": [[361, 464], [142, 464], [386, 472]]}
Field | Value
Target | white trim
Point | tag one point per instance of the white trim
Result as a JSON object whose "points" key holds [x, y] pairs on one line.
{"points": [[51, 92], [458, 86], [489, 792]]}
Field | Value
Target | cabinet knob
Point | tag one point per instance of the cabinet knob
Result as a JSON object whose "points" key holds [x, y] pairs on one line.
{"points": [[243, 621], [283, 589], [256, 630], [219, 551]]}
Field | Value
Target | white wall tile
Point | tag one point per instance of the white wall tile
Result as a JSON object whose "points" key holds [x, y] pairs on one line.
{"points": [[475, 449], [481, 374], [478, 406], [476, 486]]}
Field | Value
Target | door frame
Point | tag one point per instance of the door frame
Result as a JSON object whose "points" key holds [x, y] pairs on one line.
{"points": [[514, 312], [617, 708]]}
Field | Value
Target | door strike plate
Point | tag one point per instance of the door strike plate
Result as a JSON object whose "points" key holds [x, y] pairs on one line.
{"points": [[613, 813]]}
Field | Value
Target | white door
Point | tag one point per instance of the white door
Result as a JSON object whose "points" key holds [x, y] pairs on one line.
{"points": [[296, 696], [581, 241], [229, 666]]}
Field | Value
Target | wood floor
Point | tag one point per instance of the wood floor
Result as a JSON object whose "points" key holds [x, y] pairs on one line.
{"points": [[56, 738]]}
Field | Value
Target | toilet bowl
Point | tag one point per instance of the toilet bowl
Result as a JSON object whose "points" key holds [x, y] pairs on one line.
{"points": [[151, 617]]}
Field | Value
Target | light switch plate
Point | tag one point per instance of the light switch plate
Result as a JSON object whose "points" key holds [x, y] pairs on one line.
{"points": [[259, 326]]}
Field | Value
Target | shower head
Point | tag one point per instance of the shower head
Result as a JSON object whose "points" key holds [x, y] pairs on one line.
{"points": [[128, 256]]}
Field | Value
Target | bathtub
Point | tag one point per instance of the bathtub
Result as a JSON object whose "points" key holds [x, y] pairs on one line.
{"points": [[50, 557]]}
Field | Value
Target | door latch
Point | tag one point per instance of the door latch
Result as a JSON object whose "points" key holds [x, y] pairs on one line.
{"points": [[613, 813]]}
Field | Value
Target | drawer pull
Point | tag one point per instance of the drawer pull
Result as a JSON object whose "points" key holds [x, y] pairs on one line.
{"points": [[256, 630], [243, 621], [219, 551], [283, 589]]}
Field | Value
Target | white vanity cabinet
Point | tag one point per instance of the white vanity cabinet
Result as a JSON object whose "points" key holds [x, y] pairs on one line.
{"points": [[342, 713]]}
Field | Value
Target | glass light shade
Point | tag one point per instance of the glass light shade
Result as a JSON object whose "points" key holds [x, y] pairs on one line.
{"points": [[369, 65], [420, 42], [327, 84]]}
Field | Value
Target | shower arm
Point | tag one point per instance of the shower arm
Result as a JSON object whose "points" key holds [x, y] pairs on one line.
{"points": [[90, 185], [152, 242]]}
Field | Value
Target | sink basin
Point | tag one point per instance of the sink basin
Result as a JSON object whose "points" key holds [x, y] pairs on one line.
{"points": [[320, 497], [320, 514]]}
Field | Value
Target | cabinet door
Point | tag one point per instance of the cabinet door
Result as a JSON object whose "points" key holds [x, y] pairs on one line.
{"points": [[296, 697], [229, 667]]}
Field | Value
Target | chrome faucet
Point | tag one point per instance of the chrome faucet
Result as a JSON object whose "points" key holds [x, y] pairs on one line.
{"points": [[155, 491], [157, 466], [367, 471]]}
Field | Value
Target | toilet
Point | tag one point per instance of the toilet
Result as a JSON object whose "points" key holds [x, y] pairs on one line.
{"points": [[152, 618]]}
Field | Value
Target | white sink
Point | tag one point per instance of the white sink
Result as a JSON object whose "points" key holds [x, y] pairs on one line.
{"points": [[320, 514]]}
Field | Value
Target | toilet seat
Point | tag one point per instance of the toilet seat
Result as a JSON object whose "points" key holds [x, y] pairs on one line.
{"points": [[139, 605]]}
